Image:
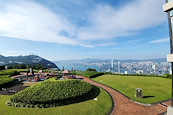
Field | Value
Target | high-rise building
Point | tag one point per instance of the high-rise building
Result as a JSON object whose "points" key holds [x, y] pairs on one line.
{"points": [[154, 67], [112, 63], [119, 67]]}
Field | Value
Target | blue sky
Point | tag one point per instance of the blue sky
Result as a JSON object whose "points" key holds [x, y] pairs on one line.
{"points": [[77, 29]]}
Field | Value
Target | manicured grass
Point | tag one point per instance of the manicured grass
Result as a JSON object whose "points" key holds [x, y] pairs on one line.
{"points": [[90, 107], [155, 89]]}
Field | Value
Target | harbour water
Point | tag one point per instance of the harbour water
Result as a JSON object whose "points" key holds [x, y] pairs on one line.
{"points": [[77, 67]]}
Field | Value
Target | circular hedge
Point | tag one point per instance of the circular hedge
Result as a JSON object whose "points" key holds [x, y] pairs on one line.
{"points": [[51, 94]]}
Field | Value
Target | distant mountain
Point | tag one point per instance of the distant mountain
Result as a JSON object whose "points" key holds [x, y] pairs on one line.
{"points": [[30, 60]]}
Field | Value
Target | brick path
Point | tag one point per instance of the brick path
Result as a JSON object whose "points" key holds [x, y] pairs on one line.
{"points": [[124, 106]]}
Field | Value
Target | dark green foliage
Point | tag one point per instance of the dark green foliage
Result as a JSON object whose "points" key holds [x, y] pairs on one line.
{"points": [[89, 74], [26, 66], [28, 60], [97, 75], [54, 93], [95, 91], [131, 74], [2, 67], [91, 69], [9, 72], [5, 79], [5, 76], [167, 75], [92, 74]]}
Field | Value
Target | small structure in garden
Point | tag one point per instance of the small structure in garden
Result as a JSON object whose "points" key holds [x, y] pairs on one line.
{"points": [[68, 77], [138, 93], [66, 72]]}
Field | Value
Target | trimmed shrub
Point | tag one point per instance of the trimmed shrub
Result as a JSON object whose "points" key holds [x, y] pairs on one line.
{"points": [[92, 74], [9, 72], [91, 69], [54, 93], [167, 75], [5, 80]]}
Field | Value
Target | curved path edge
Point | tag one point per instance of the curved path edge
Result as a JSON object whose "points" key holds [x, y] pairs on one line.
{"points": [[113, 102], [126, 106], [149, 104]]}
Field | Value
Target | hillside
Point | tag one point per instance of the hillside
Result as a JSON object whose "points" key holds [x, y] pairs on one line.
{"points": [[30, 60]]}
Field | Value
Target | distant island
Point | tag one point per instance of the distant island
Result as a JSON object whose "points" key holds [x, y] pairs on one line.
{"points": [[29, 60]]}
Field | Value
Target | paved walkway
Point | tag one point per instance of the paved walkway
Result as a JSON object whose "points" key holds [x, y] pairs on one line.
{"points": [[124, 106]]}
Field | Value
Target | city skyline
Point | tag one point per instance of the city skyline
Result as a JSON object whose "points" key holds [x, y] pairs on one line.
{"points": [[62, 30]]}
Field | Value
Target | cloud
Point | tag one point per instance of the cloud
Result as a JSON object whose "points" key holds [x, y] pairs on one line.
{"points": [[160, 40], [33, 21], [110, 22]]}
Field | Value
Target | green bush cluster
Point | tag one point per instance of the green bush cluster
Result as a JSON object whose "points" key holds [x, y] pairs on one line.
{"points": [[2, 67], [5, 79], [133, 74], [91, 69], [26, 66], [90, 74], [51, 93], [167, 75], [11, 72]]}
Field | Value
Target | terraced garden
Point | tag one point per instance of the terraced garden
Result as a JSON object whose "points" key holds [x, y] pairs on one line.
{"points": [[57, 97]]}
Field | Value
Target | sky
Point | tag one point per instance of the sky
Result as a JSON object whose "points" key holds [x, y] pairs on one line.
{"points": [[78, 29]]}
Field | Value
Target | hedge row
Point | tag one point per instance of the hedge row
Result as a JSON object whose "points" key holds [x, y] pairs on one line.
{"points": [[5, 79], [9, 72], [90, 74], [51, 92], [134, 74]]}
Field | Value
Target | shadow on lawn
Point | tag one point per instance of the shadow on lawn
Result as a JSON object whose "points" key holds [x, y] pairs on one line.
{"points": [[148, 96]]}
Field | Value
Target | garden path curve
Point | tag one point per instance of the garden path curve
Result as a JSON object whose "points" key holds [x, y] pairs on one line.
{"points": [[124, 106]]}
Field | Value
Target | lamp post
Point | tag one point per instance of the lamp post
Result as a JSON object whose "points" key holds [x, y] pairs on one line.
{"points": [[168, 7]]}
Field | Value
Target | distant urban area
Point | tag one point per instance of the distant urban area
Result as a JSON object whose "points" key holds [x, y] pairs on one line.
{"points": [[152, 66]]}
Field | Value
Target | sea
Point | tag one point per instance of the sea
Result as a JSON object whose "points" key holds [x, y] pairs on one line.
{"points": [[78, 67], [85, 67]]}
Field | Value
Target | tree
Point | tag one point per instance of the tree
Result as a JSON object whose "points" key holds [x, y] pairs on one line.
{"points": [[91, 69], [2, 67]]}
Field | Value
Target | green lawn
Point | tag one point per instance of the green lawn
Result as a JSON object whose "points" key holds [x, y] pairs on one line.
{"points": [[155, 89], [91, 107]]}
